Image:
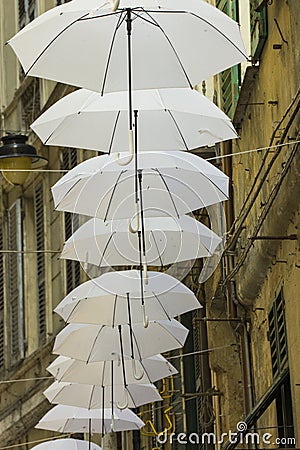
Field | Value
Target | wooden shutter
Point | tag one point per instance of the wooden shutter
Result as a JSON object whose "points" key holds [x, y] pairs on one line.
{"points": [[2, 335], [69, 160], [230, 78], [15, 282], [40, 261], [258, 28], [277, 335]]}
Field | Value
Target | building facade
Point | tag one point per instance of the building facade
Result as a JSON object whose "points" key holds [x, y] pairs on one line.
{"points": [[245, 342]]}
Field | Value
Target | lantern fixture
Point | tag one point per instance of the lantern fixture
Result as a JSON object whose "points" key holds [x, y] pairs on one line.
{"points": [[16, 156]]}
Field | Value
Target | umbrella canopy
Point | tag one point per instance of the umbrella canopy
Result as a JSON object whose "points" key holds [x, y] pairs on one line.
{"points": [[183, 118], [66, 444], [172, 183], [110, 298], [68, 419], [92, 343], [152, 369], [84, 43], [167, 240], [91, 396]]}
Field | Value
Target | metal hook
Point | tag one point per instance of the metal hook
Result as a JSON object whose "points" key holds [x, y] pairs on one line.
{"points": [[126, 401], [134, 371], [131, 151]]}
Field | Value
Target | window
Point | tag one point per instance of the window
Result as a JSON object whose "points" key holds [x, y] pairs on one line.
{"points": [[27, 12], [30, 102], [69, 160], [230, 78], [40, 262], [258, 28], [15, 282], [279, 358], [277, 335], [2, 327]]}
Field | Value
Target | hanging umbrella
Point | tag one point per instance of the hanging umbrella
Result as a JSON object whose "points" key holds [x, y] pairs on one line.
{"points": [[184, 119], [68, 419], [167, 240], [171, 183], [91, 396], [85, 44], [66, 444], [110, 298], [92, 343], [152, 369]]}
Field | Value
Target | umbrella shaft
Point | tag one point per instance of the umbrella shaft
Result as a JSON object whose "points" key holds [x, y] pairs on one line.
{"points": [[129, 28]]}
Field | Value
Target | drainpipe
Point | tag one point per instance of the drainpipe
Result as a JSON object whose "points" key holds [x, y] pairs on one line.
{"points": [[205, 374]]}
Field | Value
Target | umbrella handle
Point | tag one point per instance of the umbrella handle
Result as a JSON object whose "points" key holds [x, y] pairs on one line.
{"points": [[126, 401], [114, 4], [134, 371], [131, 152], [145, 318], [145, 272], [137, 221], [112, 425]]}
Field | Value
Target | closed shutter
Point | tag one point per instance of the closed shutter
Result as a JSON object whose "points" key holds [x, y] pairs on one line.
{"points": [[230, 78], [27, 11], [277, 335], [69, 160], [40, 261], [15, 282], [2, 335], [258, 28]]}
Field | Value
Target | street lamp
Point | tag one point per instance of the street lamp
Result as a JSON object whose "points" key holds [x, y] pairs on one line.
{"points": [[16, 156]]}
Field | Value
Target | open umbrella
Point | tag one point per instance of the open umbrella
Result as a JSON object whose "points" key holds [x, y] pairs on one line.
{"points": [[152, 369], [167, 240], [63, 42], [91, 343], [171, 183], [110, 298], [168, 119], [86, 44], [66, 444], [68, 419], [91, 396]]}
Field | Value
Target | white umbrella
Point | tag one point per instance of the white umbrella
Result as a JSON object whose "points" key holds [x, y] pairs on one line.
{"points": [[174, 44], [152, 369], [115, 298], [66, 444], [167, 240], [91, 343], [168, 119], [91, 396], [171, 183], [68, 419]]}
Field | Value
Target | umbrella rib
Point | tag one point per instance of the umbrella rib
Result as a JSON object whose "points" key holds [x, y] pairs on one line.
{"points": [[51, 42], [168, 190], [157, 249], [161, 305], [93, 344], [91, 395], [113, 132], [203, 20], [119, 23], [105, 248], [178, 129], [68, 192], [114, 310], [112, 194], [155, 23]]}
